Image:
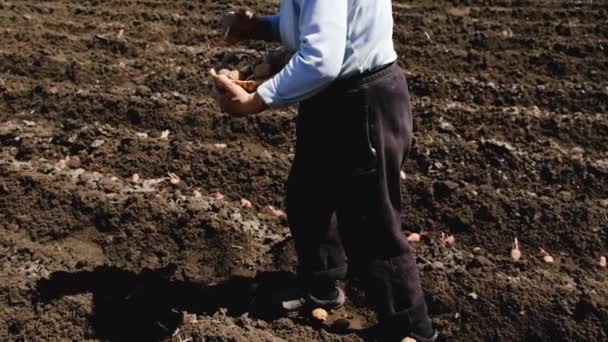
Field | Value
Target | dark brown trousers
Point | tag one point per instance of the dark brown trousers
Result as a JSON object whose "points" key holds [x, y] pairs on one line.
{"points": [[343, 194]]}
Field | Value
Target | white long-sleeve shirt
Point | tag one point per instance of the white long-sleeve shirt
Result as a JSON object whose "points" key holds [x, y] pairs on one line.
{"points": [[331, 39]]}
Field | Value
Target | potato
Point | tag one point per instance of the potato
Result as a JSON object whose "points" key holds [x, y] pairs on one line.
{"points": [[224, 72], [234, 75], [319, 314], [249, 86], [231, 74]]}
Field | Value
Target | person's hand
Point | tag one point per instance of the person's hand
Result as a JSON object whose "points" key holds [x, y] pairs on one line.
{"points": [[234, 100], [243, 25], [238, 25]]}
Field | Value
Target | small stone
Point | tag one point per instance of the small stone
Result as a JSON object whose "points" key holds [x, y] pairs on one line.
{"points": [[109, 185], [77, 173], [97, 143], [262, 324], [73, 162], [446, 127], [90, 177], [438, 265], [602, 262]]}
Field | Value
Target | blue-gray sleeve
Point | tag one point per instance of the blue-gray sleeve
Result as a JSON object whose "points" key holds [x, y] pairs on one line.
{"points": [[274, 21], [318, 61]]}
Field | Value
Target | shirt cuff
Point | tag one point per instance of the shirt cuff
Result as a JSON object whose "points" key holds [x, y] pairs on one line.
{"points": [[269, 94]]}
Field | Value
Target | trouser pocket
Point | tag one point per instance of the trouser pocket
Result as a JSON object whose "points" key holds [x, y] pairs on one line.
{"points": [[362, 143]]}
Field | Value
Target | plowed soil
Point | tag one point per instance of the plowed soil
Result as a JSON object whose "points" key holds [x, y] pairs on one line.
{"points": [[511, 141]]}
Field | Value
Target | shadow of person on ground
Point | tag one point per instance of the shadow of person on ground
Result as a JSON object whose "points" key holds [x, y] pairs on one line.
{"points": [[148, 306]]}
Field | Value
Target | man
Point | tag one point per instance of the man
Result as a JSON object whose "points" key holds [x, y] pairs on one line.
{"points": [[354, 130]]}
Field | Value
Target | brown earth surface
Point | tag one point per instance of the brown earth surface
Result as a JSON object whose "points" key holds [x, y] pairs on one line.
{"points": [[512, 133]]}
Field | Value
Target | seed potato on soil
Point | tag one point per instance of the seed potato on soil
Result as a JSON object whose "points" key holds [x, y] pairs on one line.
{"points": [[319, 314], [114, 241]]}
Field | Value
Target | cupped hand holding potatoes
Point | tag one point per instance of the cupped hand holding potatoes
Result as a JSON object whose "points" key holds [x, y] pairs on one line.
{"points": [[237, 96], [233, 99]]}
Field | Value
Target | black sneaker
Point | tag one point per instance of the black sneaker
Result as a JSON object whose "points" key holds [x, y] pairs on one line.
{"points": [[297, 299], [416, 338], [399, 330]]}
